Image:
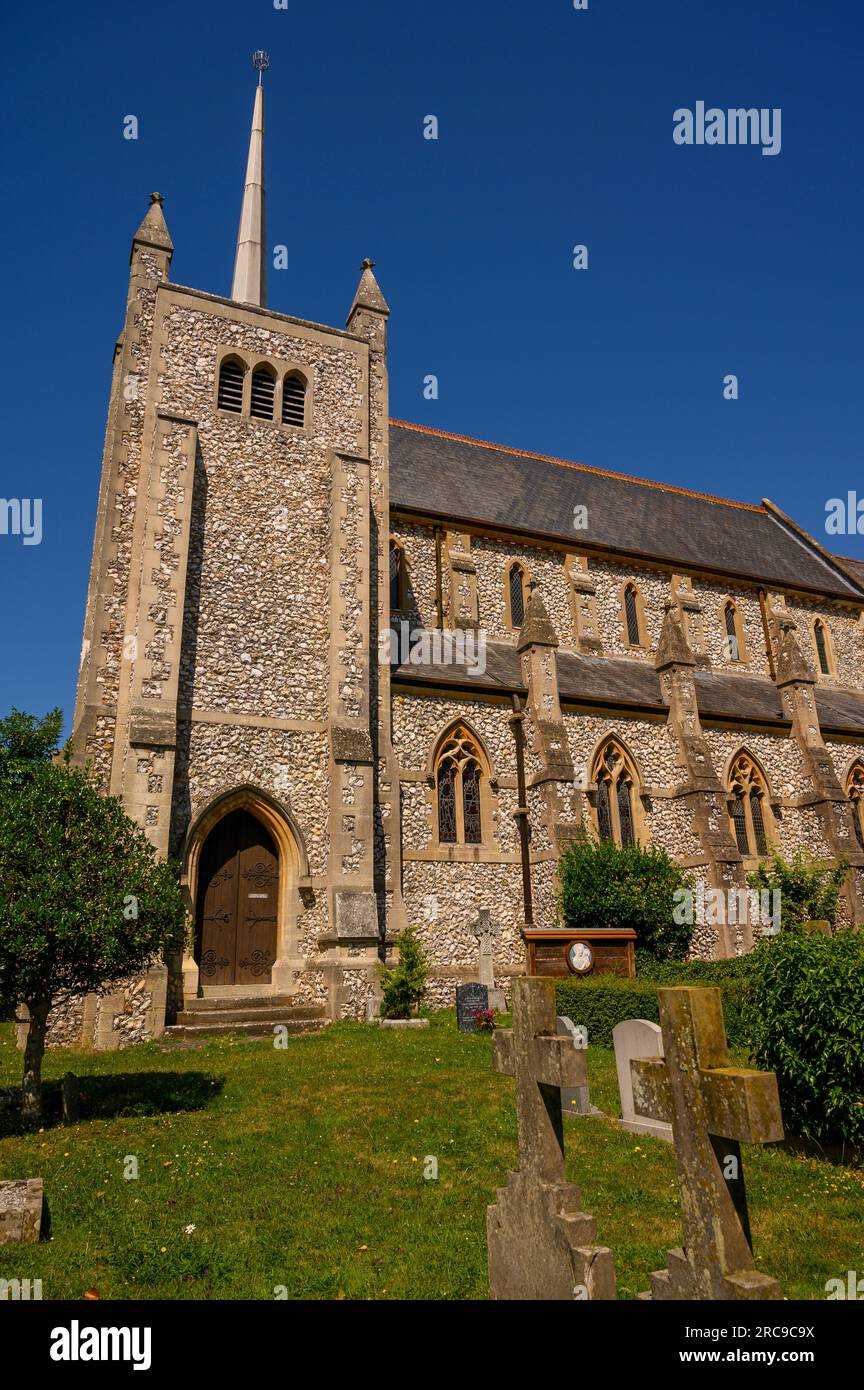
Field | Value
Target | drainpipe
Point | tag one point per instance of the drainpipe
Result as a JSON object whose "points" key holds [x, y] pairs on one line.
{"points": [[521, 812]]}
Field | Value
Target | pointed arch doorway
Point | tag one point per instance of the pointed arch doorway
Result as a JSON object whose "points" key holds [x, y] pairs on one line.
{"points": [[237, 903]]}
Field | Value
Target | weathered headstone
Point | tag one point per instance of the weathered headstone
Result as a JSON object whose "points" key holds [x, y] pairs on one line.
{"points": [[713, 1108], [486, 964], [541, 1243], [21, 1211], [638, 1037], [71, 1092], [373, 1005], [575, 1100], [471, 999]]}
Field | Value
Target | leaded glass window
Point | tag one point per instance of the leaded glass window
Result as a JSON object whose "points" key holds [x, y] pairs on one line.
{"points": [[625, 814], [459, 781], [471, 803], [739, 821], [604, 811], [731, 631], [395, 577], [632, 614], [517, 597], [855, 793], [447, 804], [821, 649], [758, 823]]}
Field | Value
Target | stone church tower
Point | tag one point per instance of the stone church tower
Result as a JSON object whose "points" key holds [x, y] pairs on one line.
{"points": [[226, 691]]}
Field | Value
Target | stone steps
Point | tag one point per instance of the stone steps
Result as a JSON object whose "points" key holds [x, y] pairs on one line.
{"points": [[250, 1017]]}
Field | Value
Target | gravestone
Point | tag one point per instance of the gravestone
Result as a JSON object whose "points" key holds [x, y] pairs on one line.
{"points": [[713, 1109], [21, 1211], [541, 1243], [638, 1037], [71, 1092], [470, 1000], [575, 1100], [373, 1004], [486, 964]]}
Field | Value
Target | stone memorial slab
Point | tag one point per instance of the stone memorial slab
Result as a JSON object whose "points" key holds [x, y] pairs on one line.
{"points": [[575, 1100], [486, 962], [470, 1000], [638, 1037], [21, 1211], [713, 1109], [541, 1242]]}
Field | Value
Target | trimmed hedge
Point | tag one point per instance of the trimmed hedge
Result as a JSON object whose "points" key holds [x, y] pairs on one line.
{"points": [[805, 1021], [599, 1002]]}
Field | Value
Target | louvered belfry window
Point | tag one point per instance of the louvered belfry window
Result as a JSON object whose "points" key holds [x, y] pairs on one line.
{"points": [[821, 649], [632, 614], [230, 395], [517, 597], [263, 393], [294, 401], [731, 631]]}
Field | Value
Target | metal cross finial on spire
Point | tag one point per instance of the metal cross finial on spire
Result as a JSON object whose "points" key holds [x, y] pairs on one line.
{"points": [[261, 61]]}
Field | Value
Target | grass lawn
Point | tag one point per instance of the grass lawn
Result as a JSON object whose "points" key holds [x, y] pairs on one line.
{"points": [[303, 1168]]}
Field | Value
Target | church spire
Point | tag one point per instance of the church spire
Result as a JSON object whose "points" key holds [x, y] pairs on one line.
{"points": [[250, 270]]}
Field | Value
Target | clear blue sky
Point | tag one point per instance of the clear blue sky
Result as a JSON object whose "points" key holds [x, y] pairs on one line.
{"points": [[555, 129]]}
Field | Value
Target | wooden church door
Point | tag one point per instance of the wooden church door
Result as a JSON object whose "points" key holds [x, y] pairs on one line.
{"points": [[238, 894]]}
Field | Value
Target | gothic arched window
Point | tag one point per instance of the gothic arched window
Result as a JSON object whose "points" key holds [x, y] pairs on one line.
{"points": [[820, 640], [397, 577], [732, 624], [855, 793], [632, 616], [263, 393], [294, 401], [516, 594], [748, 808], [617, 794], [230, 392], [459, 773]]}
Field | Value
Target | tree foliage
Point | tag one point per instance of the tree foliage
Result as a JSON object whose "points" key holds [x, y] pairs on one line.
{"points": [[601, 884], [404, 985], [804, 1020], [809, 887], [85, 901]]}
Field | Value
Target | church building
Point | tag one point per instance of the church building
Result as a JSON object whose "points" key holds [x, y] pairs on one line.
{"points": [[354, 673]]}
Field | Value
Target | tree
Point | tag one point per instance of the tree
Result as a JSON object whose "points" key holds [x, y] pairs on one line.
{"points": [[25, 740], [403, 986], [808, 887], [601, 884], [85, 902]]}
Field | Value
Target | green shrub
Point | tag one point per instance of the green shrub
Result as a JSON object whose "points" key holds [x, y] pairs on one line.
{"points": [[601, 884], [809, 887], [599, 1002], [804, 1019], [403, 987]]}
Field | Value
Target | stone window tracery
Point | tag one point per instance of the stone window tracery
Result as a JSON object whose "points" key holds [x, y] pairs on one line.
{"points": [[749, 811], [459, 773], [617, 794], [516, 592], [855, 795]]}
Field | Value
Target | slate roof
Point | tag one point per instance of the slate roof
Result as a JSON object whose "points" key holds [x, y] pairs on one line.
{"points": [[434, 474], [593, 680]]}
